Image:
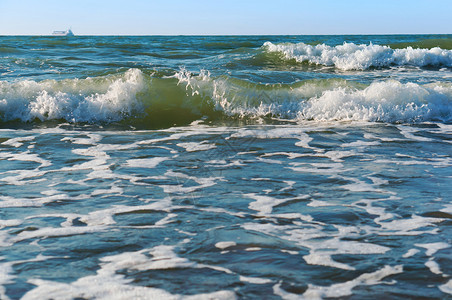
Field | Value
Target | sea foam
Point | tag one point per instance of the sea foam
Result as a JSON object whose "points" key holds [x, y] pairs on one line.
{"points": [[350, 56], [326, 100], [77, 100], [187, 97], [387, 101]]}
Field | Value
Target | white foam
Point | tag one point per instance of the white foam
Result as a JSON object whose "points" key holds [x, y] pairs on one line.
{"points": [[361, 144], [318, 203], [447, 208], [169, 219], [383, 138], [438, 162], [291, 216], [325, 260], [6, 277], [289, 186], [407, 226], [264, 204], [50, 192], [325, 101], [337, 156], [224, 245], [93, 139], [114, 288], [110, 285], [98, 162], [193, 146], [318, 168], [223, 211], [445, 128], [345, 289], [55, 232], [115, 98], [96, 220], [252, 249], [24, 177], [8, 201], [217, 268], [387, 101], [202, 182], [407, 132], [322, 245], [378, 181], [278, 132], [290, 252], [277, 290], [33, 157], [18, 141], [218, 162], [172, 137], [447, 287], [374, 210], [361, 57], [84, 100], [433, 266], [145, 162], [255, 280], [432, 248], [359, 186], [10, 223], [105, 217], [290, 155], [112, 190], [321, 251], [163, 257]]}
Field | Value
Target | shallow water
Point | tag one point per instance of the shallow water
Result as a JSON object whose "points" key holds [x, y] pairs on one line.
{"points": [[208, 167]]}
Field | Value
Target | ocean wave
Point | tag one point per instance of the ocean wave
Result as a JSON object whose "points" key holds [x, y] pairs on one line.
{"points": [[156, 100], [350, 56], [389, 101], [326, 100], [104, 99]]}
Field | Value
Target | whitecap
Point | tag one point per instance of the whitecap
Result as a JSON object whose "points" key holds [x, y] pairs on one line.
{"points": [[350, 56]]}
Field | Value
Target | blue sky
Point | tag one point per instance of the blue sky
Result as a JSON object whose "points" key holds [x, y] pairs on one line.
{"points": [[174, 17]]}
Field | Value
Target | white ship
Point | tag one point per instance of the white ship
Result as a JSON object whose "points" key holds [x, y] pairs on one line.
{"points": [[63, 33]]}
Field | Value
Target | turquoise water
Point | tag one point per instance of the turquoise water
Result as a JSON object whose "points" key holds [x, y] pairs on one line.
{"points": [[226, 167]]}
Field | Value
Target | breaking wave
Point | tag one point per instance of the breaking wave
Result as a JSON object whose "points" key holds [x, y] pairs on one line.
{"points": [[150, 100], [104, 99], [350, 56]]}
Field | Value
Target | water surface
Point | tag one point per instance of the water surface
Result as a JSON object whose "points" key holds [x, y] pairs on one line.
{"points": [[225, 167]]}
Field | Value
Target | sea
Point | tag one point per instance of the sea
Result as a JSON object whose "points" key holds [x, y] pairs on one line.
{"points": [[226, 167]]}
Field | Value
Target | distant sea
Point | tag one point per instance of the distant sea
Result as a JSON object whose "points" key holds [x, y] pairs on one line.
{"points": [[223, 167]]}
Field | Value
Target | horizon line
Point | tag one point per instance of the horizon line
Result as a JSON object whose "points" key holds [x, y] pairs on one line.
{"points": [[254, 34]]}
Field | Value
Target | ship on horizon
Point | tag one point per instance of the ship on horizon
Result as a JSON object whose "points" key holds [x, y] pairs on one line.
{"points": [[63, 33]]}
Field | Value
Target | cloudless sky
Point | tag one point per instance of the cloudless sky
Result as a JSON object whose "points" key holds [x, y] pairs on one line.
{"points": [[206, 17]]}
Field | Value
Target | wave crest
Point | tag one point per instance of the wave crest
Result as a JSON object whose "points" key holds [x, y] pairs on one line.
{"points": [[389, 101], [325, 100], [154, 101], [350, 56], [78, 100]]}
